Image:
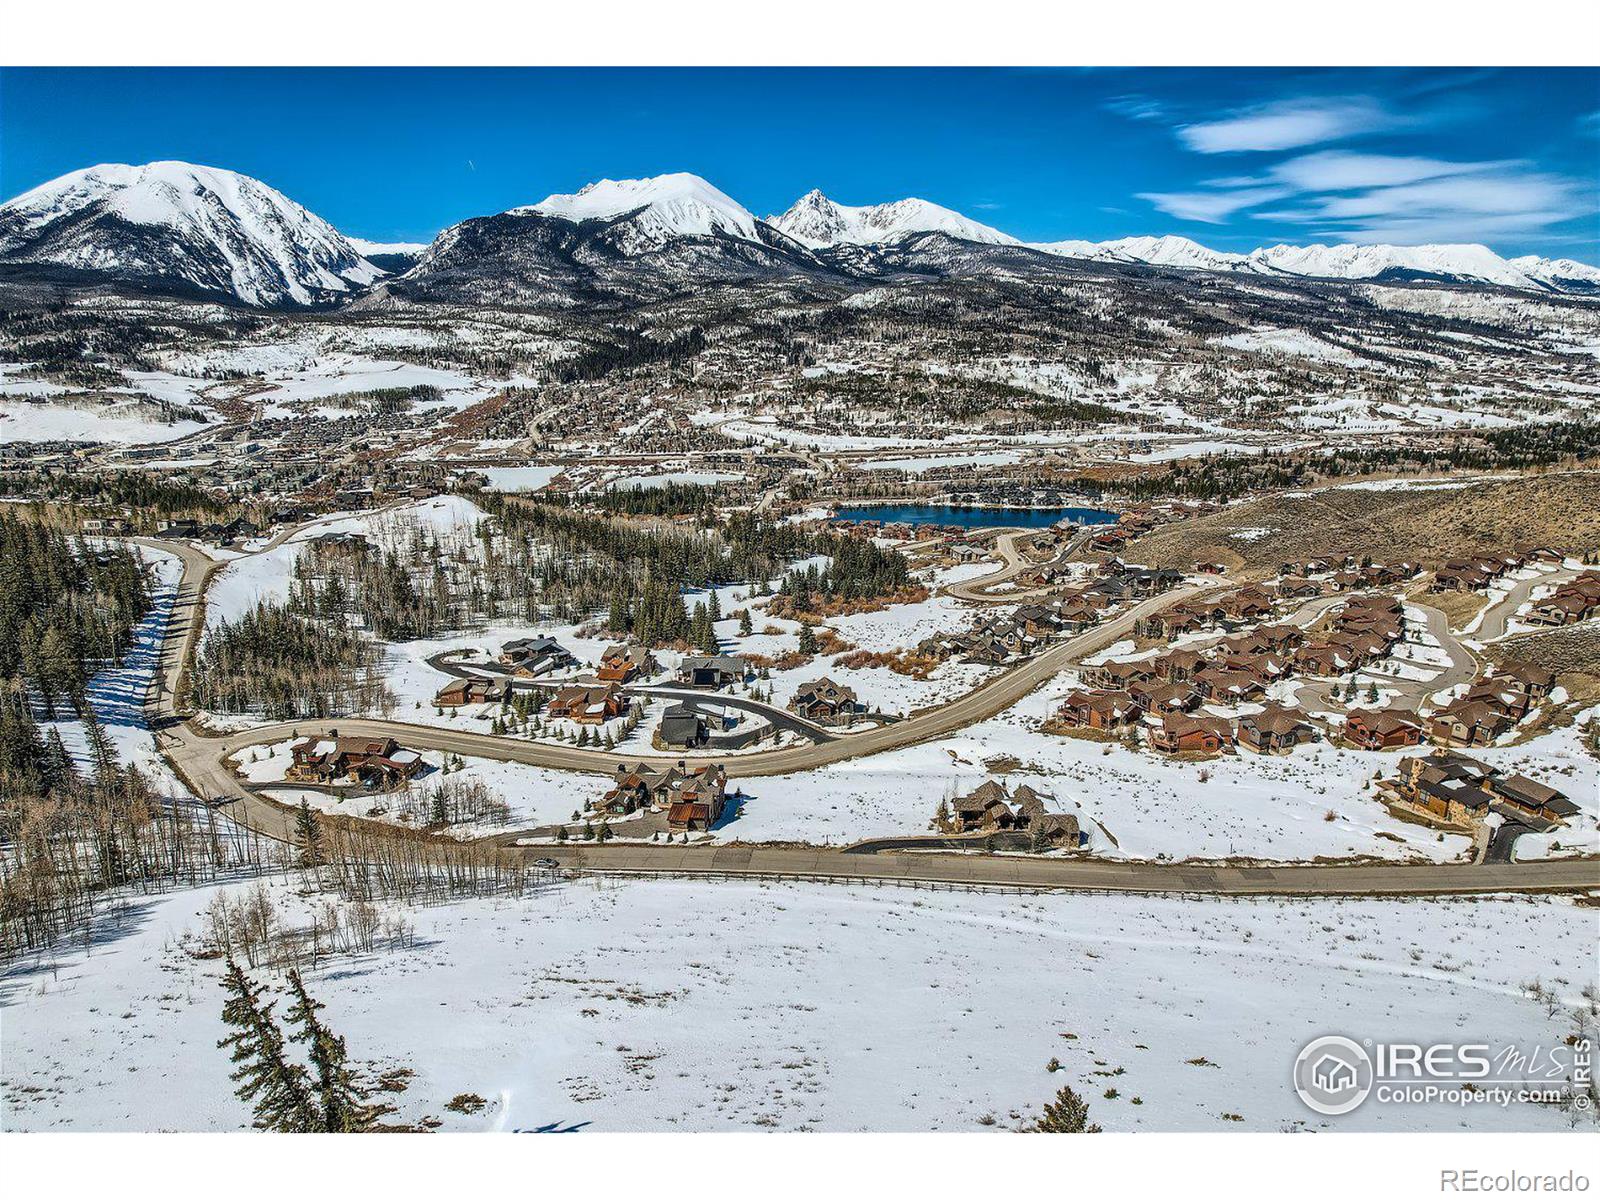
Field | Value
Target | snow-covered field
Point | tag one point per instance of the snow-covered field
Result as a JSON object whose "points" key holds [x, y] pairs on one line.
{"points": [[53, 421], [677, 1005]]}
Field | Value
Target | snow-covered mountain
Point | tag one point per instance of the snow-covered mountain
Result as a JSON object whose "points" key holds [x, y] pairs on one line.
{"points": [[1465, 263], [1564, 274], [816, 221], [176, 226], [646, 214]]}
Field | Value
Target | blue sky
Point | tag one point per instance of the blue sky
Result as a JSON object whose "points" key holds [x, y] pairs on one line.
{"points": [[1233, 158]]}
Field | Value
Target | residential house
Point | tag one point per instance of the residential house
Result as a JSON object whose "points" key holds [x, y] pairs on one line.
{"points": [[1535, 682], [1275, 730], [682, 727], [1114, 674], [528, 657], [826, 702], [1469, 723], [985, 808], [378, 762], [713, 670], [692, 797], [1104, 711], [1381, 729], [1218, 685], [625, 663], [587, 704], [470, 691], [1180, 733]]}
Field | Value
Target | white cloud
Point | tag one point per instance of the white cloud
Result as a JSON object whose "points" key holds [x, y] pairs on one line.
{"points": [[1213, 208], [1339, 170], [1286, 124]]}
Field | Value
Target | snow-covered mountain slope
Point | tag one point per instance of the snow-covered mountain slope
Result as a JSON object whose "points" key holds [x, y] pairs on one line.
{"points": [[393, 257], [367, 249], [648, 213], [1564, 274], [1474, 263], [172, 225], [816, 221]]}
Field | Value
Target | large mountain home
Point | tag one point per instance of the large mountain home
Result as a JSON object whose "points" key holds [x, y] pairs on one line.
{"points": [[713, 670], [528, 657], [587, 704], [692, 797], [380, 763], [826, 702]]}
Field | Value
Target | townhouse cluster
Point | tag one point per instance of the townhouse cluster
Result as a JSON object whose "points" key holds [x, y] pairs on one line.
{"points": [[1163, 694]]}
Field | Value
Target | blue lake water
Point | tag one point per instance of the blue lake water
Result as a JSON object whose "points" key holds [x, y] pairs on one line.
{"points": [[975, 518]]}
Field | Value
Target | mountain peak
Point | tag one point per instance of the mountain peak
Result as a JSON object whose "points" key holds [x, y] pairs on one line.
{"points": [[659, 208], [816, 221], [176, 224]]}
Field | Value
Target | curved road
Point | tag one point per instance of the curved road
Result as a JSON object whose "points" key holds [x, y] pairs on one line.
{"points": [[1498, 615]]}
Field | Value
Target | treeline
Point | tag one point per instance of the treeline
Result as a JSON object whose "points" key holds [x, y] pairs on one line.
{"points": [[278, 663], [1227, 477], [75, 841], [860, 570], [65, 608], [671, 499], [629, 349], [397, 598], [145, 494]]}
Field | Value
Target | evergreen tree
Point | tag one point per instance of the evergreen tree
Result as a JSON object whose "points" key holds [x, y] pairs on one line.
{"points": [[808, 640], [308, 835], [340, 1099], [101, 752], [746, 628], [275, 1087], [1067, 1113]]}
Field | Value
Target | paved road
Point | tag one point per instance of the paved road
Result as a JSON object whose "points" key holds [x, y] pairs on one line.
{"points": [[1497, 615], [1376, 879], [781, 718], [981, 589]]}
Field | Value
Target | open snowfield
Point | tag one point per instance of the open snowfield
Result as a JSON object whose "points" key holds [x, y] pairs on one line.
{"points": [[677, 1005], [23, 420]]}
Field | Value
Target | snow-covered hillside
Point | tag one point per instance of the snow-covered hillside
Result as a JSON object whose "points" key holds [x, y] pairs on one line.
{"points": [[816, 221], [172, 225]]}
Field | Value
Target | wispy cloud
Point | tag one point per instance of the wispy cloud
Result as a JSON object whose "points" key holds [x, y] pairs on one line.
{"points": [[1212, 208], [1351, 197], [1339, 170], [1136, 107], [1443, 202], [1289, 124]]}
